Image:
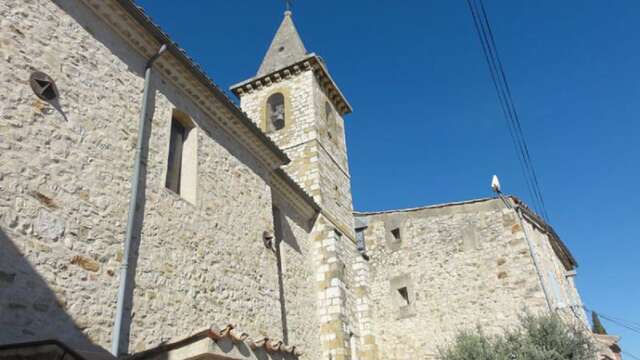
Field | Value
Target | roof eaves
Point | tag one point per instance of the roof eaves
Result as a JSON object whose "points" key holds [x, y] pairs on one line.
{"points": [[335, 85], [163, 38], [298, 189], [558, 245], [260, 346], [236, 88], [435, 206]]}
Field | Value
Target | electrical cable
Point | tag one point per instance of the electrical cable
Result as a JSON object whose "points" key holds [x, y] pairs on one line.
{"points": [[498, 77], [630, 355], [589, 330], [516, 118], [488, 54], [618, 321]]}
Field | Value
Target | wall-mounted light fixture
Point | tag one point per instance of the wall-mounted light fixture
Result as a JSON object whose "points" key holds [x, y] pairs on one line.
{"points": [[268, 238]]}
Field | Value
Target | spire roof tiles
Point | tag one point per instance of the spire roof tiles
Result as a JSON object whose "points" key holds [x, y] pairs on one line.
{"points": [[286, 48]]}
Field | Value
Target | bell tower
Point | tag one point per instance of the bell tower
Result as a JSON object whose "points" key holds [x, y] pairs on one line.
{"points": [[295, 101]]}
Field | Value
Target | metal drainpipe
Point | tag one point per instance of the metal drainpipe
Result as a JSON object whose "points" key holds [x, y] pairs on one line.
{"points": [[116, 348], [534, 256]]}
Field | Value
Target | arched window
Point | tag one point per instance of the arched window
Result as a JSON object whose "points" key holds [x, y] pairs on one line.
{"points": [[275, 112], [331, 120]]}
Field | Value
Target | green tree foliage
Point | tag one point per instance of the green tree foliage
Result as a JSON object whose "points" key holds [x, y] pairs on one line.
{"points": [[597, 325], [537, 338]]}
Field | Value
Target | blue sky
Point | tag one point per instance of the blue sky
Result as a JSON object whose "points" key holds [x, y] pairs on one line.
{"points": [[427, 127]]}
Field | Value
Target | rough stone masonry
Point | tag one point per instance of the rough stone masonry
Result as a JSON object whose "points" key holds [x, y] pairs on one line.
{"points": [[260, 233]]}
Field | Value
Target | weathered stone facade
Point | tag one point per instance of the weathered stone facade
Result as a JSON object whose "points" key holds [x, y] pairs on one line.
{"points": [[263, 235], [313, 137], [65, 189], [461, 265]]}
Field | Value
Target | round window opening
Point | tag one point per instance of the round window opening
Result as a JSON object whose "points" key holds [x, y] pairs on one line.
{"points": [[281, 49], [43, 86]]}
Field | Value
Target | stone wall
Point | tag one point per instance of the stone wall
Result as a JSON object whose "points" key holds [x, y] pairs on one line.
{"points": [[319, 164], [65, 169], [462, 265], [300, 114], [299, 291], [558, 280], [64, 192]]}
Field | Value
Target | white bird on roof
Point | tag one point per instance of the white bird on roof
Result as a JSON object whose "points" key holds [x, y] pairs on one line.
{"points": [[495, 184]]}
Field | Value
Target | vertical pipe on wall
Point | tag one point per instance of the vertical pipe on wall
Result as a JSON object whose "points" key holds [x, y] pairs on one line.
{"points": [[534, 257], [117, 346]]}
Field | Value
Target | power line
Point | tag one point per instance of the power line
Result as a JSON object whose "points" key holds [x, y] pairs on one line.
{"points": [[604, 317], [516, 118], [486, 49], [630, 355], [498, 76], [630, 327], [618, 321]]}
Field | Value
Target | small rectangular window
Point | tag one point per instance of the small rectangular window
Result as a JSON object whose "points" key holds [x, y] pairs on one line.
{"points": [[182, 162], [176, 146], [404, 297], [360, 244], [404, 293], [396, 234]]}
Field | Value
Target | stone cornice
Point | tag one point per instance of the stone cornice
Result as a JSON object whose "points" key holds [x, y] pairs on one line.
{"points": [[558, 246], [130, 22], [311, 62], [288, 189]]}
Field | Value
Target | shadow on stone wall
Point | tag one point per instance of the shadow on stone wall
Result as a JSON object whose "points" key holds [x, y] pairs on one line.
{"points": [[282, 299], [287, 236], [30, 310]]}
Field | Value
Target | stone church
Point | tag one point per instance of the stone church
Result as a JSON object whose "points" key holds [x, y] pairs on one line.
{"points": [[144, 215]]}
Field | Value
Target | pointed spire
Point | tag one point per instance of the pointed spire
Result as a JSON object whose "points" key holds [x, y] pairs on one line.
{"points": [[286, 47]]}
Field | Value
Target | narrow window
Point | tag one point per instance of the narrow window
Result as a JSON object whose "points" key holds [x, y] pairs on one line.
{"points": [[396, 234], [360, 243], [404, 294], [330, 119], [275, 112], [182, 161], [176, 146]]}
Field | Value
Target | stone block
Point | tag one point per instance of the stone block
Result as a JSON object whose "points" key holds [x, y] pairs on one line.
{"points": [[86, 263]]}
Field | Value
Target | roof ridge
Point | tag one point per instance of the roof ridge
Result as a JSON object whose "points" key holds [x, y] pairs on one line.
{"points": [[418, 208]]}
